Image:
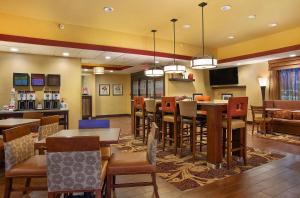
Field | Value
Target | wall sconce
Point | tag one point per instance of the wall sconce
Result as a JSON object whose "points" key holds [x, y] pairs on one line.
{"points": [[263, 84]]}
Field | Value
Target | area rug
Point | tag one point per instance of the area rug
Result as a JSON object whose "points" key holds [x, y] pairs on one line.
{"points": [[186, 175], [285, 138]]}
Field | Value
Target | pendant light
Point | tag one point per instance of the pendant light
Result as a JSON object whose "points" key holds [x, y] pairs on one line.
{"points": [[204, 62], [174, 68], [98, 70], [154, 72]]}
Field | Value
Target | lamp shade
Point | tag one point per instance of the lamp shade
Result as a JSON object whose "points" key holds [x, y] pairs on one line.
{"points": [[98, 70], [154, 72], [174, 69], [262, 81], [204, 63]]}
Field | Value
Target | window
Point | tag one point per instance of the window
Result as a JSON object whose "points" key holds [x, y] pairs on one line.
{"points": [[290, 84]]}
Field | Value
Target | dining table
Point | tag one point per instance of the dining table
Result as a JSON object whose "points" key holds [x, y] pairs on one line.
{"points": [[107, 136], [14, 122]]}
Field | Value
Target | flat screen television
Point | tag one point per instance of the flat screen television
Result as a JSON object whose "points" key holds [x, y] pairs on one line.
{"points": [[228, 76], [37, 79], [53, 80], [21, 79]]}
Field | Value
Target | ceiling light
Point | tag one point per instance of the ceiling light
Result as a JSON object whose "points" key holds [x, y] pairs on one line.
{"points": [[98, 70], [252, 16], [156, 62], [154, 72], [225, 7], [61, 26], [204, 62], [186, 26], [174, 68], [238, 64], [66, 54], [107, 57], [108, 9], [111, 71], [231, 37], [14, 49], [86, 70], [273, 24], [292, 55]]}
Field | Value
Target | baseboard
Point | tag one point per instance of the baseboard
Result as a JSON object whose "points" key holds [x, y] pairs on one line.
{"points": [[112, 115]]}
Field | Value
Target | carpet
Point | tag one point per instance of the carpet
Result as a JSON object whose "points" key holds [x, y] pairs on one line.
{"points": [[281, 137], [186, 175]]}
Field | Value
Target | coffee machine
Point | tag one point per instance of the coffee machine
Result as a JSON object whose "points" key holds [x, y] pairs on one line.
{"points": [[55, 100], [22, 100], [47, 100], [30, 95]]}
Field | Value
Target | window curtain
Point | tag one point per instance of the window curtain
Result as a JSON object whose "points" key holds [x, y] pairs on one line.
{"points": [[289, 84], [274, 85]]}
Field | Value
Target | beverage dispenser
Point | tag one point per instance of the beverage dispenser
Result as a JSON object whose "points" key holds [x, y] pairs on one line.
{"points": [[47, 100], [55, 99], [22, 100], [30, 100]]}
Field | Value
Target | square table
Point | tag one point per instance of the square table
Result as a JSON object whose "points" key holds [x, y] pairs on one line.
{"points": [[107, 136], [14, 122]]}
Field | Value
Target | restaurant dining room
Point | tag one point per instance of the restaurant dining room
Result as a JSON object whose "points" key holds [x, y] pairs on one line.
{"points": [[149, 99]]}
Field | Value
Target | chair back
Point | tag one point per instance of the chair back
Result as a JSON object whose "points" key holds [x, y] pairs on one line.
{"points": [[152, 143], [18, 145], [150, 105], [188, 108], [237, 107], [74, 164], [168, 105], [93, 124], [202, 98], [258, 110], [49, 126], [139, 102], [33, 115]]}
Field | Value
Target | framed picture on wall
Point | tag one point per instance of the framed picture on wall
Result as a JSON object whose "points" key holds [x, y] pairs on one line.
{"points": [[117, 89], [104, 90], [226, 96]]}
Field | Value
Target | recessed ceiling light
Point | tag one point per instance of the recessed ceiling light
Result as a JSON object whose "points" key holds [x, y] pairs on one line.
{"points": [[111, 71], [231, 37], [86, 70], [273, 24], [292, 55], [253, 16], [66, 54], [186, 26], [238, 64], [156, 62], [108, 9], [225, 7], [107, 57], [14, 49]]}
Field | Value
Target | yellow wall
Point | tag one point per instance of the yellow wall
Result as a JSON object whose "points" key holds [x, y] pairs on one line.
{"points": [[109, 105], [68, 68]]}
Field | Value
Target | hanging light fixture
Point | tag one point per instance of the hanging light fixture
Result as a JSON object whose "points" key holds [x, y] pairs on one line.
{"points": [[204, 62], [174, 68], [98, 70], [154, 72]]}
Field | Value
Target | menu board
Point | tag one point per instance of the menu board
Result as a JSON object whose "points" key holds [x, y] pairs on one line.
{"points": [[38, 79], [20, 79], [53, 80]]}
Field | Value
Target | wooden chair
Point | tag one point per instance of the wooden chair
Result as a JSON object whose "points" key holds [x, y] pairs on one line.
{"points": [[20, 161], [74, 165], [48, 126], [32, 115], [139, 115], [169, 117], [134, 163], [260, 119], [236, 119], [151, 115], [97, 124]]}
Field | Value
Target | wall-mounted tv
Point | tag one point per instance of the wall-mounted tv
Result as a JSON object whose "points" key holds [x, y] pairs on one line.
{"points": [[37, 79], [228, 76], [21, 79], [53, 80]]}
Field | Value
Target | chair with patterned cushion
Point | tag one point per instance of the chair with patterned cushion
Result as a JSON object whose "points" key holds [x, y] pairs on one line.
{"points": [[133, 163], [260, 119], [20, 161], [97, 124], [33, 115], [139, 116], [48, 126], [151, 114], [236, 116], [74, 165]]}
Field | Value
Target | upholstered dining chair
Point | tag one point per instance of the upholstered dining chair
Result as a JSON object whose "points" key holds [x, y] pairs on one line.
{"points": [[127, 163], [33, 115], [49, 125], [151, 115], [139, 116], [236, 116], [74, 165], [20, 161], [260, 119], [97, 124]]}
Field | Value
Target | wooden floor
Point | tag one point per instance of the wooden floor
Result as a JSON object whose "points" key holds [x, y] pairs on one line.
{"points": [[280, 178]]}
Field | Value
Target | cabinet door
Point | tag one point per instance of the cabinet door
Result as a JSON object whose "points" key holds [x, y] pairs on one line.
{"points": [[159, 88], [86, 107]]}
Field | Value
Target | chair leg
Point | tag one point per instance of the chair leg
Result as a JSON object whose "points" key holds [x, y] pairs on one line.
{"points": [[8, 187], [153, 175], [175, 136], [143, 128], [114, 182], [98, 194], [245, 146], [194, 128], [201, 137], [109, 186], [253, 125], [135, 127], [163, 134], [181, 138], [229, 147], [27, 185]]}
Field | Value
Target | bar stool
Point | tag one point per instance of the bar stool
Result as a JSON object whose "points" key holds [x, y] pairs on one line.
{"points": [[139, 114], [236, 119], [188, 114], [260, 119], [169, 116], [150, 114]]}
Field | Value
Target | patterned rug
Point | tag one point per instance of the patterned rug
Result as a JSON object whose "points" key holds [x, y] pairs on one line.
{"points": [[281, 137], [182, 173]]}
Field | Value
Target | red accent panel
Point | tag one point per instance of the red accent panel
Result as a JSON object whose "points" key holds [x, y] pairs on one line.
{"points": [[48, 42]]}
